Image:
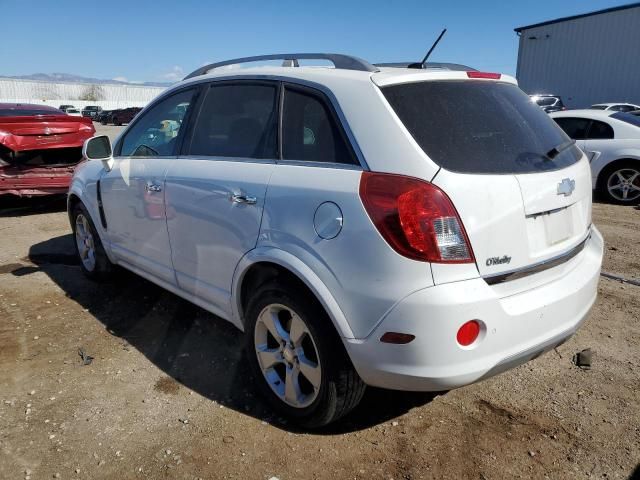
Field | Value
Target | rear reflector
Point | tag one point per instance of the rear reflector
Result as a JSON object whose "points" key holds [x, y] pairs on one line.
{"points": [[490, 76], [415, 217], [397, 338], [468, 333]]}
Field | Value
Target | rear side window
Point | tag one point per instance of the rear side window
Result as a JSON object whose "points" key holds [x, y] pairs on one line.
{"points": [[310, 132], [575, 128], [599, 130], [480, 127], [237, 120], [632, 119]]}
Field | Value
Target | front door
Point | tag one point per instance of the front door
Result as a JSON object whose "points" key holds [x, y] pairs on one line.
{"points": [[133, 193]]}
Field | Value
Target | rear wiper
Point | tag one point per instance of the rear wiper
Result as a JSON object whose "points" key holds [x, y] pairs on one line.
{"points": [[555, 151]]}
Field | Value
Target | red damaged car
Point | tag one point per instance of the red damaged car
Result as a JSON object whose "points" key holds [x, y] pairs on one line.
{"points": [[39, 148]]}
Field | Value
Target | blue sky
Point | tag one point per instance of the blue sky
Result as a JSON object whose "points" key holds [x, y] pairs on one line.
{"points": [[160, 40]]}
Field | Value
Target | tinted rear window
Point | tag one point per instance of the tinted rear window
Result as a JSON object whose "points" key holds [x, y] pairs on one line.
{"points": [[480, 126], [633, 119]]}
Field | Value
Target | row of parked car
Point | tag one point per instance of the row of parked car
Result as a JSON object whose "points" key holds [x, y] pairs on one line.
{"points": [[553, 103], [119, 116]]}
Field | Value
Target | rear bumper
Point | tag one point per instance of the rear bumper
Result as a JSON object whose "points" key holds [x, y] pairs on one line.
{"points": [[515, 328], [42, 182]]}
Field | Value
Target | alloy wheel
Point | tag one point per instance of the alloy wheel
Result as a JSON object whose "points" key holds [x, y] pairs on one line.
{"points": [[85, 243], [624, 184], [287, 355]]}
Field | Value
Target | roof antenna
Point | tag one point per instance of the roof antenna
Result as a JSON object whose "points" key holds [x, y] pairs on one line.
{"points": [[423, 64]]}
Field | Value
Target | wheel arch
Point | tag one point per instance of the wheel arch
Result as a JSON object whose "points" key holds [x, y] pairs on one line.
{"points": [[261, 265]]}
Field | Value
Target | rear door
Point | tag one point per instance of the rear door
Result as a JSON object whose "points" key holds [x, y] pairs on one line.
{"points": [[519, 184], [215, 192]]}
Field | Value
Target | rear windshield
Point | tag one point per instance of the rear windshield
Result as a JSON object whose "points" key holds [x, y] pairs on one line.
{"points": [[28, 113], [627, 117], [481, 127]]}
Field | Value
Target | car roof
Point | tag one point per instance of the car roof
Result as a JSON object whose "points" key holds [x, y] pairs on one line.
{"points": [[328, 75], [585, 113], [611, 104], [27, 106]]}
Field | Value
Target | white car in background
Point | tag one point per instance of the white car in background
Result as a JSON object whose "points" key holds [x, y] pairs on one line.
{"points": [[74, 112], [611, 141], [615, 107]]}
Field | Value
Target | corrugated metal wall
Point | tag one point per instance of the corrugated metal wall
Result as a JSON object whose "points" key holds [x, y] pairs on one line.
{"points": [[56, 94], [586, 60]]}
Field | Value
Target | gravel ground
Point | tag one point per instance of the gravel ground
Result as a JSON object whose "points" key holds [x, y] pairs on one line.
{"points": [[167, 394]]}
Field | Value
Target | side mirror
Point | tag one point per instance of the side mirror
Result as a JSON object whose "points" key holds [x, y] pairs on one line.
{"points": [[98, 148]]}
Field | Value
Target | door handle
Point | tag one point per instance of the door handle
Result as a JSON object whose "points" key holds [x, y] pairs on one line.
{"points": [[153, 187], [238, 198]]}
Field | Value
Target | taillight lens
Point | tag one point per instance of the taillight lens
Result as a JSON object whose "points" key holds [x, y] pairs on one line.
{"points": [[415, 217]]}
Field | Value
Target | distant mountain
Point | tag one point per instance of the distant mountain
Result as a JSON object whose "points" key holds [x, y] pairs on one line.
{"points": [[68, 77]]}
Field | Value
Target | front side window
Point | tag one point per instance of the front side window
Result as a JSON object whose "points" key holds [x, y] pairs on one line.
{"points": [[575, 128], [310, 132], [156, 133], [599, 130], [237, 120]]}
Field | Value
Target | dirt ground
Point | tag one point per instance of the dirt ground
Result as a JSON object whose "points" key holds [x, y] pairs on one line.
{"points": [[167, 394]]}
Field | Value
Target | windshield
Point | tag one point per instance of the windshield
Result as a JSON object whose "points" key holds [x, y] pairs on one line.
{"points": [[480, 127], [28, 113]]}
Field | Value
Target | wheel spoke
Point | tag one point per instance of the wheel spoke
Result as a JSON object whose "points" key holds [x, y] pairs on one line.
{"points": [[617, 186], [625, 192], [620, 177], [311, 371], [268, 357], [297, 330], [270, 319], [633, 177], [292, 392]]}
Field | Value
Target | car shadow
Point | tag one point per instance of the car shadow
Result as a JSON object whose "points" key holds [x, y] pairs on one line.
{"points": [[194, 348], [13, 206]]}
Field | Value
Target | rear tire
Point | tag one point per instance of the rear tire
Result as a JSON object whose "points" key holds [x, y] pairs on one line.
{"points": [[296, 357], [620, 177], [93, 259]]}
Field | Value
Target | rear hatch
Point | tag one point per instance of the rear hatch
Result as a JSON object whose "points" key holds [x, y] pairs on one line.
{"points": [[521, 187]]}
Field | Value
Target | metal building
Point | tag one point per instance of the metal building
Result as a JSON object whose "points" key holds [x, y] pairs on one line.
{"points": [[108, 96], [586, 59]]}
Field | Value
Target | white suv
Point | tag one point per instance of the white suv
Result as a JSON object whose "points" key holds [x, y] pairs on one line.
{"points": [[406, 228]]}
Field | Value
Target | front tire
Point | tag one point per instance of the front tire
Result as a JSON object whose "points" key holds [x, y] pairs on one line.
{"points": [[93, 259], [620, 182], [297, 359]]}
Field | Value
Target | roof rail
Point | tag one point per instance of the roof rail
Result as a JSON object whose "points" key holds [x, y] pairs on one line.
{"points": [[430, 65], [344, 62]]}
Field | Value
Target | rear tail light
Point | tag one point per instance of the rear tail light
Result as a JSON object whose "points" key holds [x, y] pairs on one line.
{"points": [[416, 218], [487, 75]]}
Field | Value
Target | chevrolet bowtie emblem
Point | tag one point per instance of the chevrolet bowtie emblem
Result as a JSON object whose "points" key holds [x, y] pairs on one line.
{"points": [[566, 187]]}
